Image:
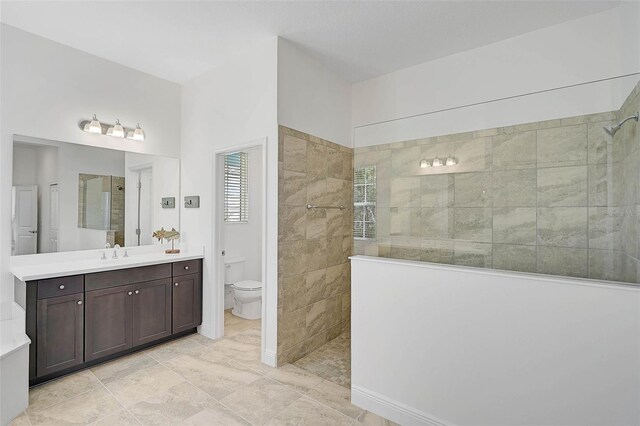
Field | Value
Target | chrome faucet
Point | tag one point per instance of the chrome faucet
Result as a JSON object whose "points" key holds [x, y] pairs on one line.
{"points": [[115, 252], [104, 256]]}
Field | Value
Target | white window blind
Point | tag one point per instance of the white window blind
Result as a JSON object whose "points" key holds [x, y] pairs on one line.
{"points": [[364, 202], [236, 187]]}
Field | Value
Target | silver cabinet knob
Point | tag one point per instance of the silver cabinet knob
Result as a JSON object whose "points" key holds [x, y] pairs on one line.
{"points": [[186, 267], [79, 302], [176, 284], [130, 293], [137, 291], [61, 287]]}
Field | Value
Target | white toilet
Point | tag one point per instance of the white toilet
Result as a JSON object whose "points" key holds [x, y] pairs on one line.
{"points": [[247, 294]]}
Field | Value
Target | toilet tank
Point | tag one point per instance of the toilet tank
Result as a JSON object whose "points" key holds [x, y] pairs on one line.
{"points": [[233, 270]]}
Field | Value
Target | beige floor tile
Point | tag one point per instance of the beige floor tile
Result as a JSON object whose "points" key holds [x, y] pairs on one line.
{"points": [[216, 414], [254, 362], [119, 418], [174, 405], [307, 412], [296, 377], [261, 400], [208, 353], [367, 418], [203, 340], [82, 409], [336, 397], [122, 367], [250, 337], [143, 384], [21, 420], [218, 379], [59, 390], [232, 348], [174, 348]]}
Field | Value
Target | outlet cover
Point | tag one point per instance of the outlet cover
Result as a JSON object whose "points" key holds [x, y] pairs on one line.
{"points": [[168, 202], [192, 202]]}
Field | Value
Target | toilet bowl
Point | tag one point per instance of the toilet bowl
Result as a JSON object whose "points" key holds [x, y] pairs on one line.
{"points": [[248, 299]]}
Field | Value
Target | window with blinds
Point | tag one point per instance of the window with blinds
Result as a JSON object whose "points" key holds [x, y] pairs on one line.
{"points": [[364, 202], [236, 187]]}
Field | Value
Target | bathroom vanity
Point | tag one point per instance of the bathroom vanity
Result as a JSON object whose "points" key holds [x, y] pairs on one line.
{"points": [[81, 319]]}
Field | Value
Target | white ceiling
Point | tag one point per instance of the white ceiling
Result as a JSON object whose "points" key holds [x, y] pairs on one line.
{"points": [[179, 40]]}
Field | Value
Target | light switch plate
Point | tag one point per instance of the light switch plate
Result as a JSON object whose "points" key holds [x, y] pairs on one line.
{"points": [[192, 202], [168, 202]]}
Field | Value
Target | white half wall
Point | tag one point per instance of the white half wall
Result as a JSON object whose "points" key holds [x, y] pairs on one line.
{"points": [[595, 47], [231, 106], [311, 98], [46, 88], [477, 347]]}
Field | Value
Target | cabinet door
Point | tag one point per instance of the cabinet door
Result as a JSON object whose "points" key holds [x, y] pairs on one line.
{"points": [[151, 311], [187, 302], [109, 315], [60, 322]]}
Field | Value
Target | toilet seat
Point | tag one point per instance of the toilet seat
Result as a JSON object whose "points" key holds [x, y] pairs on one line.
{"points": [[247, 285]]}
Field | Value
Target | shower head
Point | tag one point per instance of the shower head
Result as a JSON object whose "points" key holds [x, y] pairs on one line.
{"points": [[611, 130]]}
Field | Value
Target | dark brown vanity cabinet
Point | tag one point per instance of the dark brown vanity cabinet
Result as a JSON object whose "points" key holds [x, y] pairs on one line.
{"points": [[60, 327], [78, 321]]}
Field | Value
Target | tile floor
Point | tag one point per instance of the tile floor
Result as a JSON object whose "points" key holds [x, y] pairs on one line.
{"points": [[331, 361], [195, 380]]}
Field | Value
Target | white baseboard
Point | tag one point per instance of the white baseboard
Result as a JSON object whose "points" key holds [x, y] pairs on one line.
{"points": [[270, 358], [208, 331], [392, 410]]}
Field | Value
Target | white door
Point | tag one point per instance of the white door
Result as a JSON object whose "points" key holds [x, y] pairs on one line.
{"points": [[53, 215], [25, 219]]}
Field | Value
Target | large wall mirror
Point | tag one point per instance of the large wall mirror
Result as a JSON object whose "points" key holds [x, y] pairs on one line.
{"points": [[75, 197]]}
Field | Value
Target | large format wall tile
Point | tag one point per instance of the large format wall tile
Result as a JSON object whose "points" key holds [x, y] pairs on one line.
{"points": [[437, 190], [514, 225], [473, 189], [562, 146], [565, 261], [514, 257], [562, 226], [562, 186], [514, 188], [473, 224], [514, 151], [315, 244]]}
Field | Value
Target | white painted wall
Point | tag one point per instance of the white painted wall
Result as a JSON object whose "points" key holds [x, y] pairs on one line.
{"points": [[598, 46], [311, 98], [245, 239], [47, 88], [229, 106], [165, 183], [492, 348]]}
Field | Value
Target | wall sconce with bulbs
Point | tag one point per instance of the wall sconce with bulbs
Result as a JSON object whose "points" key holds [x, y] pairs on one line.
{"points": [[115, 130], [437, 162]]}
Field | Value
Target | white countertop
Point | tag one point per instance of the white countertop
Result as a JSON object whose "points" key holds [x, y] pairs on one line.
{"points": [[42, 266]]}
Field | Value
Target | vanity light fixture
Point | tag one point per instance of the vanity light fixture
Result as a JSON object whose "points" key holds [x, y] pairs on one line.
{"points": [[451, 161], [138, 133], [94, 125], [116, 130], [437, 162], [424, 164]]}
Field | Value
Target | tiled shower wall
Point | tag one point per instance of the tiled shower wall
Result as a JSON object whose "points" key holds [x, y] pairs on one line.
{"points": [[313, 245], [555, 197]]}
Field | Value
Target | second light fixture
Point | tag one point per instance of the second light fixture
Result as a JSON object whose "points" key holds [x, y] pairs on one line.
{"points": [[437, 162]]}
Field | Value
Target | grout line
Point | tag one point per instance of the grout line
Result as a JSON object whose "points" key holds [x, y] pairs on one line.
{"points": [[116, 399]]}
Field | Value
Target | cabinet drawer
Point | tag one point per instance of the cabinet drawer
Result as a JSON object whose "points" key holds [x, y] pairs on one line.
{"points": [[187, 267], [60, 286], [108, 279]]}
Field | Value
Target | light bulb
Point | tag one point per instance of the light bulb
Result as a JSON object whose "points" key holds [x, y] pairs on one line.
{"points": [[138, 134], [118, 130], [451, 161], [437, 162], [95, 126], [424, 164]]}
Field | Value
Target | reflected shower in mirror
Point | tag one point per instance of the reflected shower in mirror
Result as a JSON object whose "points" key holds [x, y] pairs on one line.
{"points": [[75, 197]]}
